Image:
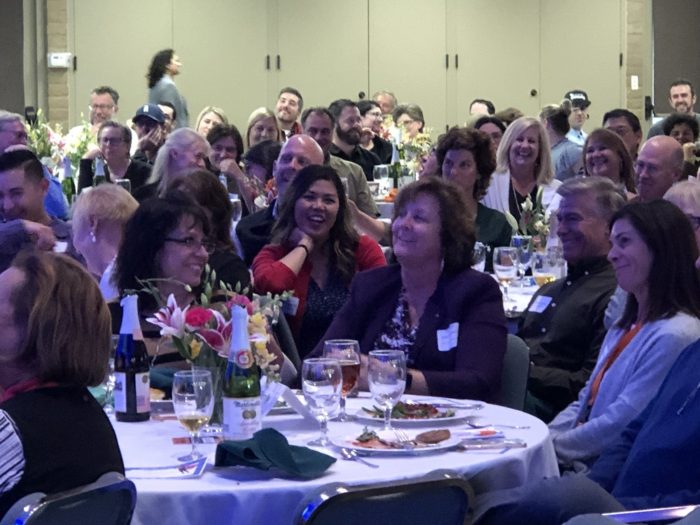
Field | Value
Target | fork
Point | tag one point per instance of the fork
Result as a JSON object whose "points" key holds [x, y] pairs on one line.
{"points": [[495, 425], [352, 455], [403, 440]]}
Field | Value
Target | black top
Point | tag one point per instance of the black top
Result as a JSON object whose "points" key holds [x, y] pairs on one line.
{"points": [[67, 441], [565, 338], [137, 172], [383, 149], [493, 230], [229, 268], [365, 158], [255, 231]]}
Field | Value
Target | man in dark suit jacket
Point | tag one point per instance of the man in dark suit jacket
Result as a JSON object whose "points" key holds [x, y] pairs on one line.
{"points": [[255, 230]]}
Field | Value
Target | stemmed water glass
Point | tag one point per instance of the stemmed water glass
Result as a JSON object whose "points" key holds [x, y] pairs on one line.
{"points": [[480, 253], [347, 352], [193, 401], [386, 374], [523, 243], [505, 266], [321, 381]]}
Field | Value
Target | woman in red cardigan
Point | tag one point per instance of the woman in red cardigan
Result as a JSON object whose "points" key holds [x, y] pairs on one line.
{"points": [[315, 252]]}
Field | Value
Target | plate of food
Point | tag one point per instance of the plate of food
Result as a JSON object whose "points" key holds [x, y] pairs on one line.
{"points": [[386, 442], [412, 412]]}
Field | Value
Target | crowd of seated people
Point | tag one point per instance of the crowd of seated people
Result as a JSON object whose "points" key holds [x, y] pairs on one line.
{"points": [[611, 342]]}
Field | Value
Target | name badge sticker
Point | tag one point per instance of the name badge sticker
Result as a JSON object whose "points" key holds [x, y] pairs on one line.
{"points": [[447, 338], [540, 304], [290, 306]]}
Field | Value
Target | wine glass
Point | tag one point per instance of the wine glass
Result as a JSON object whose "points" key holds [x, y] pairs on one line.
{"points": [[524, 245], [386, 374], [480, 251], [193, 400], [504, 266], [321, 381], [110, 379], [542, 269], [237, 207], [347, 352], [381, 173]]}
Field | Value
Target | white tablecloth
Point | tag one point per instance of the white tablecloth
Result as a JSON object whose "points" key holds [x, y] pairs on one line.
{"points": [[247, 496]]}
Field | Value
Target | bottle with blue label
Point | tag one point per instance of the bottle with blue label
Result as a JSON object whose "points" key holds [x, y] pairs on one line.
{"points": [[132, 393]]}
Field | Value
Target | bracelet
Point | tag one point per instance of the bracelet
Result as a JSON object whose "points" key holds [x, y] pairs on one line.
{"points": [[306, 249]]}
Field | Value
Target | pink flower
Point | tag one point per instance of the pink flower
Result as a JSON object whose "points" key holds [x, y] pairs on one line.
{"points": [[240, 300], [212, 338], [170, 319], [198, 316]]}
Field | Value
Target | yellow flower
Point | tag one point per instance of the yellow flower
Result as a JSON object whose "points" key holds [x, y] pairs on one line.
{"points": [[195, 348]]}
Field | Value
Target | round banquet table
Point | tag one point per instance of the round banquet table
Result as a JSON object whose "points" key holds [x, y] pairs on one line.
{"points": [[242, 495]]}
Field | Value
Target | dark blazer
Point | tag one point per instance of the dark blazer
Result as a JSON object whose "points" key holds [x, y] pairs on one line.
{"points": [[472, 299], [137, 172], [254, 232]]}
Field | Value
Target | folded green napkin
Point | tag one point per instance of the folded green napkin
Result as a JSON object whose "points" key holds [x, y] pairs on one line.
{"points": [[268, 448]]}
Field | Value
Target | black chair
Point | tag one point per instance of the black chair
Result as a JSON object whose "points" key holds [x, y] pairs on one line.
{"points": [[108, 501], [440, 498], [516, 370], [285, 338]]}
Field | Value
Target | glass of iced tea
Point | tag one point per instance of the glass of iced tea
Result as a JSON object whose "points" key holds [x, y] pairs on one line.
{"points": [[347, 352]]}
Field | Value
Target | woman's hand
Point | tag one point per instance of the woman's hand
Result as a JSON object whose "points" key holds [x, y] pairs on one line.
{"points": [[93, 153], [298, 236], [366, 136]]}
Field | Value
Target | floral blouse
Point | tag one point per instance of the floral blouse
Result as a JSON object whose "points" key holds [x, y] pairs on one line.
{"points": [[398, 334]]}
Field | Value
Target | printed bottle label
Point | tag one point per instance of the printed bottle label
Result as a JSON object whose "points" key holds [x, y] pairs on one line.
{"points": [[242, 417]]}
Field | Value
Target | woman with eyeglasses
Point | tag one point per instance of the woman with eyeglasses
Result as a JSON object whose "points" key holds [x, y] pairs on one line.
{"points": [[211, 195], [113, 146], [166, 239]]}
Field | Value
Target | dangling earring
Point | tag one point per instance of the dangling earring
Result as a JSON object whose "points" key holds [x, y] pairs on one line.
{"points": [[92, 237]]}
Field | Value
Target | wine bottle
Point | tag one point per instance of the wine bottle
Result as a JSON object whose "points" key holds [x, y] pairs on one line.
{"points": [[132, 396], [241, 382], [99, 177], [395, 168]]}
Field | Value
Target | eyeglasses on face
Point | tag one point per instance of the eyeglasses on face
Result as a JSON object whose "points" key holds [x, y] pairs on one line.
{"points": [[193, 244], [100, 107]]}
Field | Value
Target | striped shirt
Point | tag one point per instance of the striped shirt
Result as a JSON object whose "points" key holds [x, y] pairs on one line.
{"points": [[11, 454]]}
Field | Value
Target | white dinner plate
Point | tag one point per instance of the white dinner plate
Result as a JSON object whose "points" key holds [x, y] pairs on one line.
{"points": [[347, 442], [368, 418]]}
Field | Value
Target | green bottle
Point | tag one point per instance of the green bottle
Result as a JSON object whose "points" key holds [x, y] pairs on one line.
{"points": [[67, 182], [241, 382], [100, 177]]}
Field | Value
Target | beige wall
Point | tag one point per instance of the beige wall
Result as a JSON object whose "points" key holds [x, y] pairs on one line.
{"points": [[218, 39]]}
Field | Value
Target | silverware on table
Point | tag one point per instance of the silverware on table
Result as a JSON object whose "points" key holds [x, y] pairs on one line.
{"points": [[352, 455], [402, 439], [506, 444], [457, 406], [495, 425]]}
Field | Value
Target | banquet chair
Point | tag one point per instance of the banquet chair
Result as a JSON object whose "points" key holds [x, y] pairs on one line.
{"points": [[286, 340], [658, 516], [516, 370], [108, 501], [441, 497]]}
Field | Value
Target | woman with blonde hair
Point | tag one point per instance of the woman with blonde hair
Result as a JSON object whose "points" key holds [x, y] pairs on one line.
{"points": [[184, 149], [99, 216], [55, 343], [209, 118], [523, 166], [262, 125]]}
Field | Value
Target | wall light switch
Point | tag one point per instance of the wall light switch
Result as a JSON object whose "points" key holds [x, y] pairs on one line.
{"points": [[60, 60]]}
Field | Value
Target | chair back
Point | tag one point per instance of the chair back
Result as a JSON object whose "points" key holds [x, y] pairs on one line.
{"points": [[440, 498], [516, 369], [664, 514], [286, 341], [108, 501]]}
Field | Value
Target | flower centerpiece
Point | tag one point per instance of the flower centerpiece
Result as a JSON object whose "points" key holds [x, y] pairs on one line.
{"points": [[413, 149], [201, 332], [534, 220], [45, 140]]}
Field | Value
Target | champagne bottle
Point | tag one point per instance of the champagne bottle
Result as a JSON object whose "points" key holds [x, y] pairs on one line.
{"points": [[99, 177], [132, 396], [241, 382], [395, 168]]}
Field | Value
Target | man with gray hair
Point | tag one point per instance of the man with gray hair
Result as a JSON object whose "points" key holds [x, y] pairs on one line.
{"points": [[563, 325]]}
